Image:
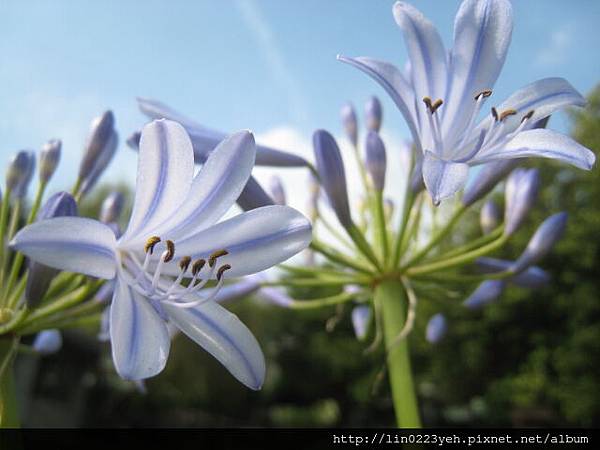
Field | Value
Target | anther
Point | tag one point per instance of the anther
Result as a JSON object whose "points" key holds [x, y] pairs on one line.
{"points": [[197, 266], [150, 243], [527, 116], [432, 106], [439, 102], [222, 270], [495, 113], [485, 94], [170, 251], [184, 263], [212, 259], [506, 113]]}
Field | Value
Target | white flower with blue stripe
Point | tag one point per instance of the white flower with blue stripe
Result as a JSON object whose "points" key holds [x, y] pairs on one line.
{"points": [[441, 95], [173, 236]]}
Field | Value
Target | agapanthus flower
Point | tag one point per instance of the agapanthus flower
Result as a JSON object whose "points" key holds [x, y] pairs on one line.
{"points": [[172, 236], [441, 95]]}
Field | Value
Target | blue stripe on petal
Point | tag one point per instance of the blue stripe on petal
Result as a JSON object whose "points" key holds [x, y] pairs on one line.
{"points": [[224, 336]]}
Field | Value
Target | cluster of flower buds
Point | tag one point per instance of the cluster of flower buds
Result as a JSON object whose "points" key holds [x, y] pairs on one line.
{"points": [[34, 298]]}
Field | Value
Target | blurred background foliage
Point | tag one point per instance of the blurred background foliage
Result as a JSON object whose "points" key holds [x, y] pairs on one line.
{"points": [[531, 359]]}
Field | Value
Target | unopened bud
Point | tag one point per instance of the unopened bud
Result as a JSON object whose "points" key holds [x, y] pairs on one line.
{"points": [[521, 193], [361, 319], [436, 328], [543, 240], [350, 123], [486, 293], [376, 160], [489, 217], [19, 173], [486, 179], [49, 159], [112, 207], [47, 342], [333, 177], [373, 114]]}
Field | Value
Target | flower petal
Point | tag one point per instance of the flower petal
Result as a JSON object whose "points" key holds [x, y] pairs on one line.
{"points": [[214, 190], [443, 178], [255, 240], [394, 83], [165, 171], [139, 337], [205, 140], [74, 244], [545, 144], [543, 97], [482, 34], [225, 337], [426, 52]]}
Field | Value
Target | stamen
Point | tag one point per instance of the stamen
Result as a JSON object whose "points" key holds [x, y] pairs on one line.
{"points": [[483, 94], [432, 106], [212, 259], [495, 114], [170, 252], [506, 113], [527, 116], [197, 266], [150, 243], [222, 270], [184, 263]]}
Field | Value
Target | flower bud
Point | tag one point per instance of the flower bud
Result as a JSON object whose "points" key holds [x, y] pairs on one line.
{"points": [[376, 159], [47, 342], [486, 179], [350, 123], [133, 141], [373, 114], [49, 159], [489, 217], [99, 150], [277, 190], [19, 173], [521, 192], [105, 294], [361, 319], [253, 196], [486, 293], [531, 278], [331, 172], [112, 207], [40, 276], [237, 291], [542, 241], [436, 328]]}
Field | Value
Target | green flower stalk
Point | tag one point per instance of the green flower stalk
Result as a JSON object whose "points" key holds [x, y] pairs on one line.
{"points": [[385, 266]]}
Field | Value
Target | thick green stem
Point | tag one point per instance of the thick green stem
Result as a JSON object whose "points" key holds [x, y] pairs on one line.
{"points": [[393, 300], [9, 414]]}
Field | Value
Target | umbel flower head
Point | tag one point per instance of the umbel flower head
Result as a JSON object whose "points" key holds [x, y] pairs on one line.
{"points": [[172, 248], [441, 95]]}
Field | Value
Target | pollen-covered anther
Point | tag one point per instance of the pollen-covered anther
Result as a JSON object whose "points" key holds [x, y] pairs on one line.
{"points": [[197, 266], [222, 270], [527, 116], [431, 105], [483, 94], [184, 263], [170, 252], [150, 243], [507, 113], [212, 259]]}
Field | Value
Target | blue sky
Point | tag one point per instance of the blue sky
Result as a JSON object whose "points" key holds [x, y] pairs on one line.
{"points": [[265, 65]]}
